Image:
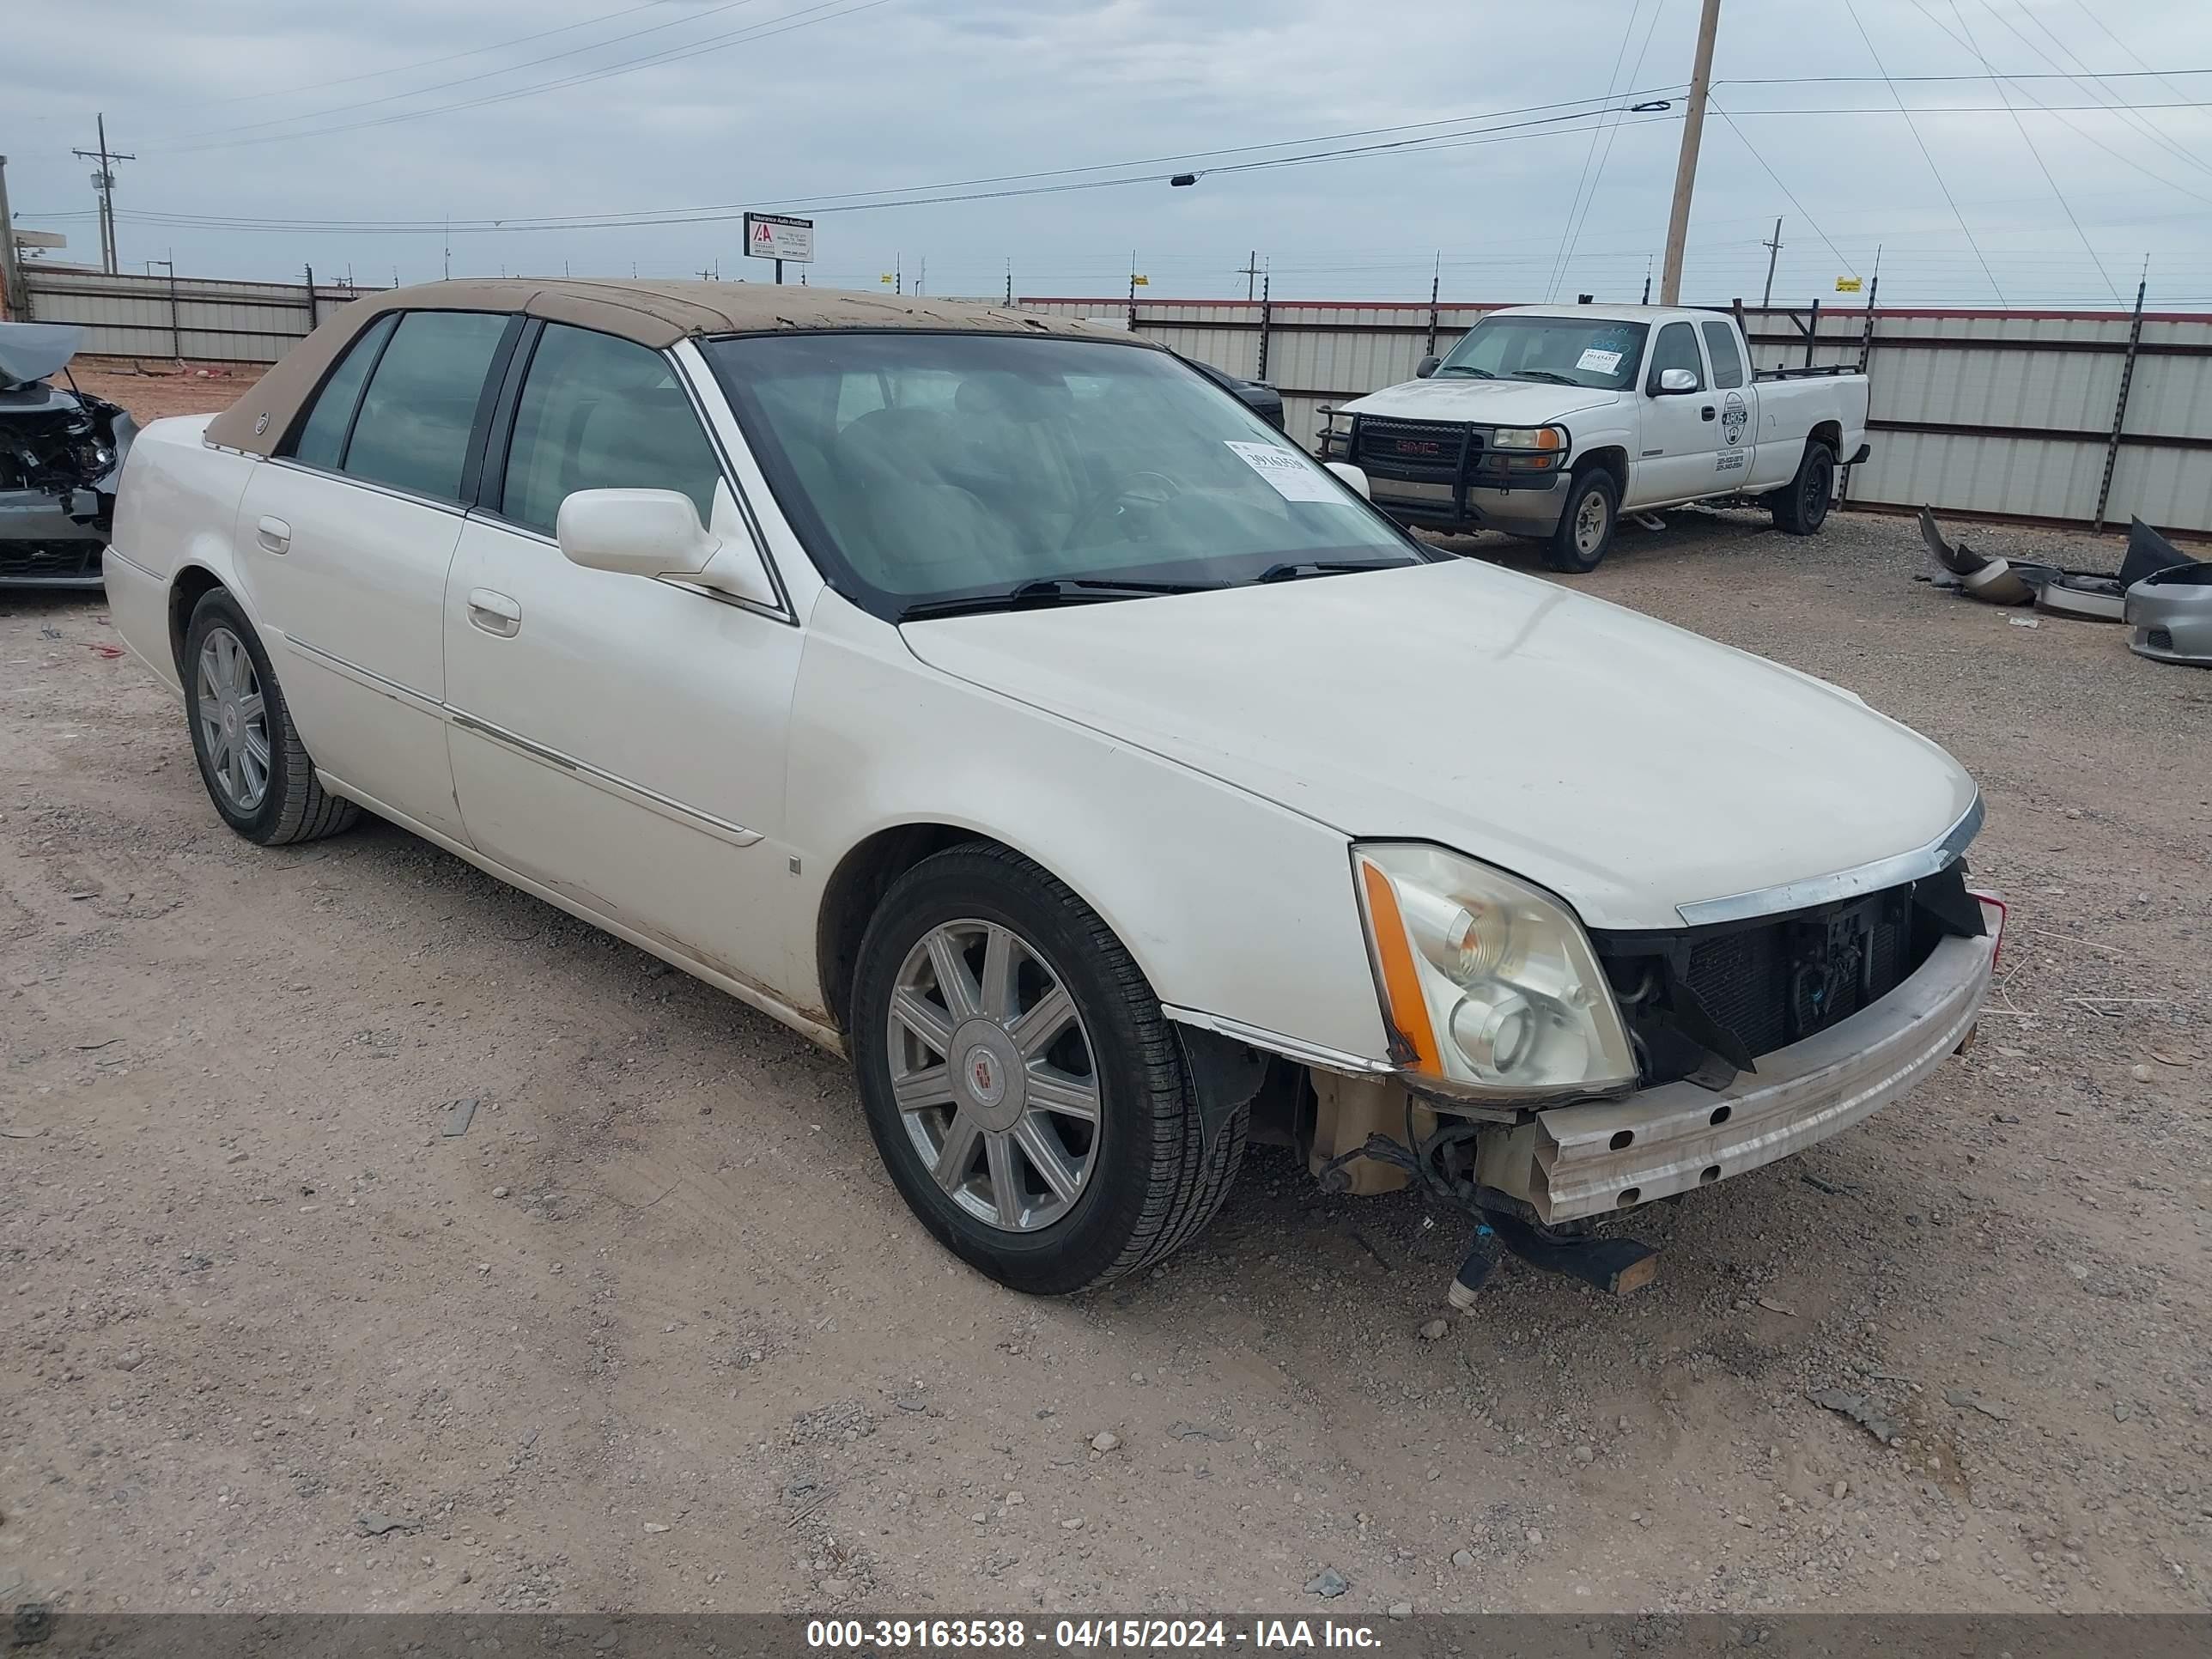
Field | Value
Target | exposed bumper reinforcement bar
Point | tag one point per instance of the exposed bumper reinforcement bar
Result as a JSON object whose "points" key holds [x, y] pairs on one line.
{"points": [[1605, 1157]]}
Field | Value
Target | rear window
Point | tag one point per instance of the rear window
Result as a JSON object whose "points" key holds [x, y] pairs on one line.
{"points": [[413, 429], [322, 436], [1728, 361]]}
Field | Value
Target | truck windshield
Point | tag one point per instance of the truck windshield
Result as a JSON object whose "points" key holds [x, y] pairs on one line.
{"points": [[1590, 351], [925, 471]]}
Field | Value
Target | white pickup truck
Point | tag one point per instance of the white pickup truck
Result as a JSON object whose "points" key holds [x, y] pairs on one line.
{"points": [[1551, 421]]}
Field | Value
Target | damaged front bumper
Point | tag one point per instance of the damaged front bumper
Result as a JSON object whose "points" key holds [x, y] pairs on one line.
{"points": [[1602, 1157], [53, 539]]}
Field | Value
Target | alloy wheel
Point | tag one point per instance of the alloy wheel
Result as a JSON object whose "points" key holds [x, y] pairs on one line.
{"points": [[993, 1075], [234, 720]]}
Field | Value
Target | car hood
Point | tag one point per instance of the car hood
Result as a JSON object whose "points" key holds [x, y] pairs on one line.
{"points": [[1486, 403], [31, 351], [1627, 765]]}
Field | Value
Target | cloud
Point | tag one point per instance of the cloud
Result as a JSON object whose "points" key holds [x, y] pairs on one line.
{"points": [[263, 109]]}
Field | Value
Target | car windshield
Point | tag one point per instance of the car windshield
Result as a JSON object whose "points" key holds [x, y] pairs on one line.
{"points": [[927, 470], [1591, 351]]}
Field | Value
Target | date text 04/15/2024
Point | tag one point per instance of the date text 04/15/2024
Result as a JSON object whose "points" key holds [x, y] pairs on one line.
{"points": [[1084, 1635]]}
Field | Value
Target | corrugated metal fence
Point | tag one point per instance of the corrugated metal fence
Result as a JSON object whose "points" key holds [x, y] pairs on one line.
{"points": [[196, 317], [2056, 416]]}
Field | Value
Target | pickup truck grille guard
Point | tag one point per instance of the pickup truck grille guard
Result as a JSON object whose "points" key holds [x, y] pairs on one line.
{"points": [[1436, 453]]}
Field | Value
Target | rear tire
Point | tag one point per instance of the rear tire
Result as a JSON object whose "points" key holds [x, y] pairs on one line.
{"points": [[257, 771], [1586, 524], [1802, 508], [1135, 1181]]}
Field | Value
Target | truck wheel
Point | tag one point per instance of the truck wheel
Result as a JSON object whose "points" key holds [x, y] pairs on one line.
{"points": [[1802, 508], [1022, 1087], [1586, 525], [257, 771]]}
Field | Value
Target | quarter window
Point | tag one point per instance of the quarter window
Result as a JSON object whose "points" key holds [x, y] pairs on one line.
{"points": [[421, 405], [322, 435], [1728, 361], [600, 413], [1676, 348]]}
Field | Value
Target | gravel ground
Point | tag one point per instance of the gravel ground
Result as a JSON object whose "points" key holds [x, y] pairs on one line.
{"points": [[655, 1333]]}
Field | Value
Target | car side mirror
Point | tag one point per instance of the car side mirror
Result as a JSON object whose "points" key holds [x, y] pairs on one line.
{"points": [[653, 533], [1673, 382], [1426, 367], [1353, 476]]}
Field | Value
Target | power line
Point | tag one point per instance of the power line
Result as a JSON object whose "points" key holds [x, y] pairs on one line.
{"points": [[806, 17], [449, 57], [1589, 154], [2141, 124], [482, 74], [1642, 52], [1714, 104], [2064, 205], [1914, 129], [2117, 156], [1573, 109]]}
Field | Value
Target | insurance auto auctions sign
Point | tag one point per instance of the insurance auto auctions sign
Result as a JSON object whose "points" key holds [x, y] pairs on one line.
{"points": [[772, 236]]}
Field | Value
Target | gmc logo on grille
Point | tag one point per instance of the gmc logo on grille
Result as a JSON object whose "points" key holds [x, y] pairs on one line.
{"points": [[1419, 447]]}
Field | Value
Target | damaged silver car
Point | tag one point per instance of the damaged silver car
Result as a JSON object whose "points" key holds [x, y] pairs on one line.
{"points": [[61, 452]]}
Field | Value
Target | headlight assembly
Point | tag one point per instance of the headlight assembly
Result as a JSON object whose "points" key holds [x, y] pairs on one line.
{"points": [[1489, 987]]}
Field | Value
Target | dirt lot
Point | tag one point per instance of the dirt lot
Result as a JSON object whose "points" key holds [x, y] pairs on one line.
{"points": [[655, 1333]]}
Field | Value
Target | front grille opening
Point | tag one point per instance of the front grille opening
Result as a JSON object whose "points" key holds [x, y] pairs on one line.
{"points": [[2160, 639], [1701, 1001]]}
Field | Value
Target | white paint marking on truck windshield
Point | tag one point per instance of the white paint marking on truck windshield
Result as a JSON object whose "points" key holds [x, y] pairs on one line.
{"points": [[1598, 360], [1294, 481]]}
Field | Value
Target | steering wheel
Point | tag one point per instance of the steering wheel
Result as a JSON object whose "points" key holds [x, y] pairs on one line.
{"points": [[1137, 490]]}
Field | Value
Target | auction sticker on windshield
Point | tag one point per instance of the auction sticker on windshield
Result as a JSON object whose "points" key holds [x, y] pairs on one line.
{"points": [[1293, 478], [1598, 360]]}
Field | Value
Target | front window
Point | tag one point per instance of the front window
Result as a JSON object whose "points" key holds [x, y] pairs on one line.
{"points": [[926, 470], [1587, 351]]}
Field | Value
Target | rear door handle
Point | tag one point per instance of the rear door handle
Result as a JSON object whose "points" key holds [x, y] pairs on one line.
{"points": [[495, 613], [274, 534], [1706, 413]]}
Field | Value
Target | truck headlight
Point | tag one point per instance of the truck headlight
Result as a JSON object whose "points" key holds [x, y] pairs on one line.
{"points": [[1489, 986], [1529, 437]]}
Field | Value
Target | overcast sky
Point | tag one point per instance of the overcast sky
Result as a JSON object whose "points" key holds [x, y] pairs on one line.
{"points": [[413, 112]]}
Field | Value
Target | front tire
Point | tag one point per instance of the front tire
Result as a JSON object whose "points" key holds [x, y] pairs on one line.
{"points": [[1802, 508], [1587, 523], [1023, 1089], [257, 771]]}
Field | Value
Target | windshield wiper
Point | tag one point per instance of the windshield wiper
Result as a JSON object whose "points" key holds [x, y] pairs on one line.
{"points": [[1049, 591], [1544, 374], [1466, 368], [1291, 570]]}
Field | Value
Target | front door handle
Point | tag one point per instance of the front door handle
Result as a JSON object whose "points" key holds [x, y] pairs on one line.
{"points": [[274, 534], [1706, 413], [495, 613]]}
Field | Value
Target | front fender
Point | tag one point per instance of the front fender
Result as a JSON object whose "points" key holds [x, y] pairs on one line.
{"points": [[1234, 909]]}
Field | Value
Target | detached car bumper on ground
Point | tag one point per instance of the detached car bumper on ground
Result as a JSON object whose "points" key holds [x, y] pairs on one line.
{"points": [[997, 701]]}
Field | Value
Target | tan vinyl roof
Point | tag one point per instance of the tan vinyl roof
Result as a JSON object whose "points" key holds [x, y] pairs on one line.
{"points": [[656, 315]]}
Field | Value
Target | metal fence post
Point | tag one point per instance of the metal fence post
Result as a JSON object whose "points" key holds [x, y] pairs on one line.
{"points": [[1812, 331], [2120, 409], [1866, 356], [176, 316], [1267, 319], [1436, 285], [313, 319]]}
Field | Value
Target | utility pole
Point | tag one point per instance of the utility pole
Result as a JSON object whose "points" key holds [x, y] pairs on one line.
{"points": [[1685, 167], [1647, 279], [1010, 279], [14, 299], [1773, 251], [1249, 270], [104, 181]]}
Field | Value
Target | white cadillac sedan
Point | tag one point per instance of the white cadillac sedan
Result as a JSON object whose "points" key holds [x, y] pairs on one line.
{"points": [[995, 700]]}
